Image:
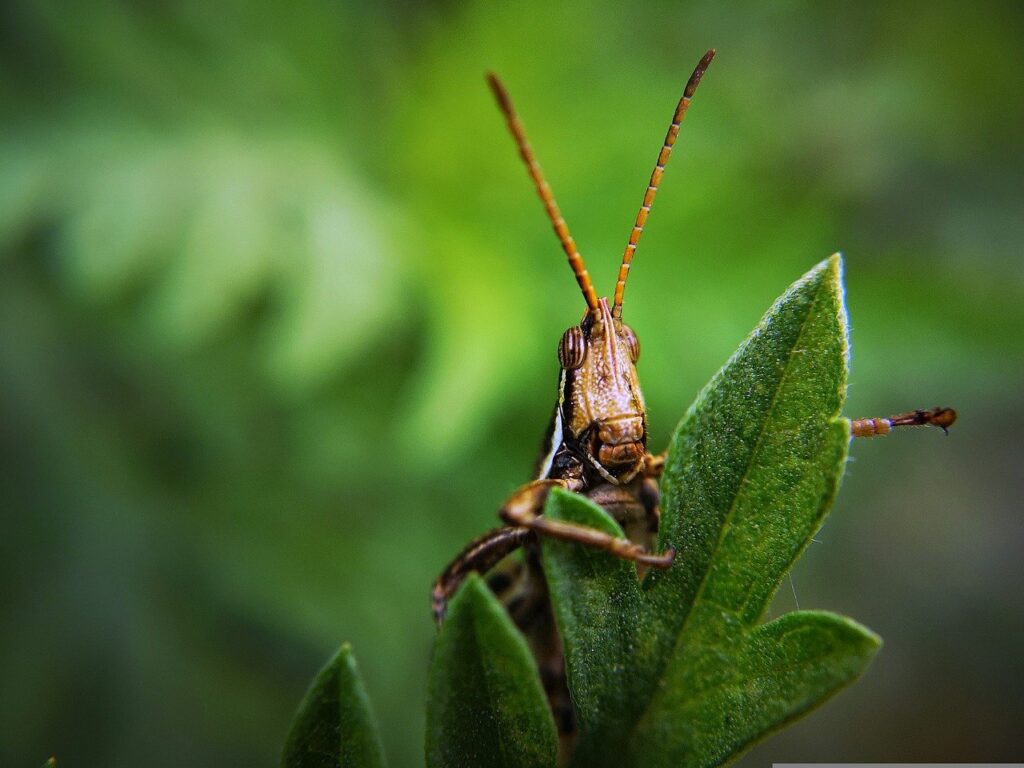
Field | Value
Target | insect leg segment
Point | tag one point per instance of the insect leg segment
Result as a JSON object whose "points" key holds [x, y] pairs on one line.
{"points": [[524, 508], [942, 418], [650, 497], [654, 466], [480, 555]]}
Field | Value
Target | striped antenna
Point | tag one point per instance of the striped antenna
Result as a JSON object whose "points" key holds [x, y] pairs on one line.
{"points": [[652, 186], [568, 244]]}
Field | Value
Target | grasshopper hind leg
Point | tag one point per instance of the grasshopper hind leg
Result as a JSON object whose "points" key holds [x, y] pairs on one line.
{"points": [[480, 556], [942, 418]]}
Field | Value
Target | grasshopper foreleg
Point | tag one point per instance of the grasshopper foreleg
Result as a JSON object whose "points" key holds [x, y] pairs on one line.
{"points": [[524, 507]]}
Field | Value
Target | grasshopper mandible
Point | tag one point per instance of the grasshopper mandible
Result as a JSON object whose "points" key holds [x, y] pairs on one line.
{"points": [[596, 443]]}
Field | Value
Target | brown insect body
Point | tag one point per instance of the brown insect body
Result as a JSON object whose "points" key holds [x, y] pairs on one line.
{"points": [[600, 420], [596, 444]]}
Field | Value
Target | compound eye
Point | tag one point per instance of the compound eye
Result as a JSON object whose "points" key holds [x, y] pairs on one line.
{"points": [[572, 348], [632, 342]]}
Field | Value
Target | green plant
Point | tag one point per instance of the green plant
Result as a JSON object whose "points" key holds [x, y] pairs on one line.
{"points": [[675, 669]]}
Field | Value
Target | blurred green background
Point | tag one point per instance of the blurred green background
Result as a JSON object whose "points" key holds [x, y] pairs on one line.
{"points": [[279, 312]]}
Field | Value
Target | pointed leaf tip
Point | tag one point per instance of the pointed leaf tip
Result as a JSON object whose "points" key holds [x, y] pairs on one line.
{"points": [[779, 672], [485, 704], [754, 465], [335, 726], [597, 604]]}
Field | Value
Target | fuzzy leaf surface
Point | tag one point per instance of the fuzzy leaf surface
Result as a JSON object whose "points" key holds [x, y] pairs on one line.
{"points": [[335, 726], [485, 703], [677, 669]]}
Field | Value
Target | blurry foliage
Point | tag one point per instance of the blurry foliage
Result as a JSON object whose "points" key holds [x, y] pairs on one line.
{"points": [[278, 317]]}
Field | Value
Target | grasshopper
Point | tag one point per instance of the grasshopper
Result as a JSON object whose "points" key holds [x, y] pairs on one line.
{"points": [[596, 442]]}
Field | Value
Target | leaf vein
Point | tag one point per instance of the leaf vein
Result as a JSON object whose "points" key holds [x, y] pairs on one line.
{"points": [[727, 522]]}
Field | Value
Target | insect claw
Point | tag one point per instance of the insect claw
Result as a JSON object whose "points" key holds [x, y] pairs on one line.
{"points": [[439, 605], [663, 561], [942, 418], [669, 556]]}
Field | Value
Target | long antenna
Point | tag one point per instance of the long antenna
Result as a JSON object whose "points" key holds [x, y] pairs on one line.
{"points": [[652, 186], [515, 126]]}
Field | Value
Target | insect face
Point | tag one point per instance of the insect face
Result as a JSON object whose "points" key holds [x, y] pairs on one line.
{"points": [[602, 407]]}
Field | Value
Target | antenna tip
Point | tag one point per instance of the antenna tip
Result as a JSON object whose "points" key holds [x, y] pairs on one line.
{"points": [[498, 89], [698, 73]]}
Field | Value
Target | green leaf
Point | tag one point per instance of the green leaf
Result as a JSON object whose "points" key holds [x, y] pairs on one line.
{"points": [[676, 669], [485, 704], [601, 620], [771, 676], [51, 763], [335, 727]]}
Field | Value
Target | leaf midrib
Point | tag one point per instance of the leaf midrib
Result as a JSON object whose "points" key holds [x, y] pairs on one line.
{"points": [[727, 523], [488, 688]]}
